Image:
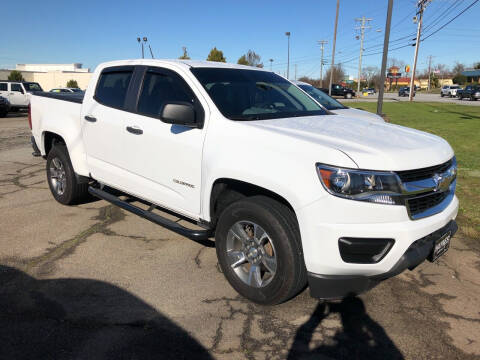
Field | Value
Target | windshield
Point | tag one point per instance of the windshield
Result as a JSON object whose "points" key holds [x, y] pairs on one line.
{"points": [[454, 87], [32, 86], [76, 89], [328, 102], [255, 95]]}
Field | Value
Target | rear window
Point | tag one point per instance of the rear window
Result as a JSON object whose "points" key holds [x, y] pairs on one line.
{"points": [[112, 87], [32, 86]]}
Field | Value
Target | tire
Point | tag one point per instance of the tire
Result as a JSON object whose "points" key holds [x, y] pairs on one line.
{"points": [[441, 94], [3, 114], [348, 96], [61, 177], [281, 243]]}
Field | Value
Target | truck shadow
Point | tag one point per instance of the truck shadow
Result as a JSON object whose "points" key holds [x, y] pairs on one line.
{"points": [[360, 337], [84, 319]]}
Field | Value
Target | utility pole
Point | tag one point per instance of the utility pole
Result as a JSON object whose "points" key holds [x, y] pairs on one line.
{"points": [[288, 55], [333, 51], [362, 28], [271, 62], [421, 4], [295, 71], [429, 71], [322, 45], [386, 40]]}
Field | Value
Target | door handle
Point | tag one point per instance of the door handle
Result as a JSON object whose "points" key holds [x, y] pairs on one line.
{"points": [[90, 118], [134, 130]]}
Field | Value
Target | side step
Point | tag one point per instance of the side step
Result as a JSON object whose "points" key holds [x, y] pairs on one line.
{"points": [[198, 235]]}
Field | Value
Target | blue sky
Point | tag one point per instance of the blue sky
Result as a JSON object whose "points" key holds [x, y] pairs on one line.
{"points": [[91, 32]]}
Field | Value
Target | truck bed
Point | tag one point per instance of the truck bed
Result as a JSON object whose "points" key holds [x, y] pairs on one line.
{"points": [[72, 97]]}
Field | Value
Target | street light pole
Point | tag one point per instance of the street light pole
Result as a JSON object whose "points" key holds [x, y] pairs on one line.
{"points": [[271, 62], [288, 55]]}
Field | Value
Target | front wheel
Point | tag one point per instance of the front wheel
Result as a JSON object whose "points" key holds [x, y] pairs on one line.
{"points": [[259, 250], [441, 94], [61, 177], [348, 96]]}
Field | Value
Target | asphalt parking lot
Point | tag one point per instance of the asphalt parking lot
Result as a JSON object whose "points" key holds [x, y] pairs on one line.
{"points": [[419, 96], [94, 282]]}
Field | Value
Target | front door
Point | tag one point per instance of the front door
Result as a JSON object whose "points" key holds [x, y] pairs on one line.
{"points": [[164, 160]]}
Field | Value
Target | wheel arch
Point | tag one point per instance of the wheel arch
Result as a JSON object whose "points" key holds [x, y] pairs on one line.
{"points": [[225, 191]]}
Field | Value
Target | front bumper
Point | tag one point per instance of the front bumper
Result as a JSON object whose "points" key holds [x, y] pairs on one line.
{"points": [[340, 286]]}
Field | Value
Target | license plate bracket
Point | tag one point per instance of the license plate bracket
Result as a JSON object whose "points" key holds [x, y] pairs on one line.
{"points": [[440, 246]]}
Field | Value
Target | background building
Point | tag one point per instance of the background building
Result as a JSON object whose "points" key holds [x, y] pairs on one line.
{"points": [[51, 76]]}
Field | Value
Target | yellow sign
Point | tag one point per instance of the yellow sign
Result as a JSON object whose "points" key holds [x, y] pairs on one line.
{"points": [[407, 68]]}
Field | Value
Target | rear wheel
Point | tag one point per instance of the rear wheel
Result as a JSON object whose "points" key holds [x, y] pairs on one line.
{"points": [[441, 94], [348, 96], [259, 250], [3, 113], [61, 177]]}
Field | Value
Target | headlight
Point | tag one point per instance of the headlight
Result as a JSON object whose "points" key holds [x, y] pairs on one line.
{"points": [[373, 186]]}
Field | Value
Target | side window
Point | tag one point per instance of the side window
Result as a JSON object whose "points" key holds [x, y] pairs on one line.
{"points": [[3, 87], [112, 87], [160, 88], [16, 87]]}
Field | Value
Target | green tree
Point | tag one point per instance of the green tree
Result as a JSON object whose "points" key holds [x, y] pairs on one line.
{"points": [[185, 54], [476, 65], [72, 84], [251, 58], [459, 79], [242, 60], [216, 55], [15, 75]]}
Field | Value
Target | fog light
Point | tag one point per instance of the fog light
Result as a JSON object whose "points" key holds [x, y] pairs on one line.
{"points": [[364, 250]]}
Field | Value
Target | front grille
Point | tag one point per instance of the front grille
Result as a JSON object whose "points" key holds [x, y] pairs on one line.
{"points": [[422, 203], [425, 173]]}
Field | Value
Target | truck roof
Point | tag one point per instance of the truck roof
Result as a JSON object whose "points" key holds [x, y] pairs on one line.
{"points": [[181, 63]]}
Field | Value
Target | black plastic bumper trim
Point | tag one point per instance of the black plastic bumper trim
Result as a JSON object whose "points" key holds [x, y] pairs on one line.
{"points": [[340, 286]]}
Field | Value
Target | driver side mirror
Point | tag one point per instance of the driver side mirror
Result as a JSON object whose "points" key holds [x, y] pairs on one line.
{"points": [[179, 113]]}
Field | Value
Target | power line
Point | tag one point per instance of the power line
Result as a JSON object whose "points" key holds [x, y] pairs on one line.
{"points": [[448, 22]]}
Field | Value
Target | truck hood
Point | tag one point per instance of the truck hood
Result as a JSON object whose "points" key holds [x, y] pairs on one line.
{"points": [[369, 143]]}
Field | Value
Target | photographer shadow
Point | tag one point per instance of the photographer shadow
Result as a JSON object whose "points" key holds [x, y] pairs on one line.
{"points": [[84, 319], [359, 338]]}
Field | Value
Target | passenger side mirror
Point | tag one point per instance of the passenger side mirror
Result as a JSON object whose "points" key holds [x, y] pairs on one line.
{"points": [[179, 113]]}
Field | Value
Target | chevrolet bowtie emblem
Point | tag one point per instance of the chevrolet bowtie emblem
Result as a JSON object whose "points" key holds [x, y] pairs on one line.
{"points": [[441, 182]]}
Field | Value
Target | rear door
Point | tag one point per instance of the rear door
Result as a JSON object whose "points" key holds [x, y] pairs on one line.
{"points": [[17, 96], [104, 118], [164, 161]]}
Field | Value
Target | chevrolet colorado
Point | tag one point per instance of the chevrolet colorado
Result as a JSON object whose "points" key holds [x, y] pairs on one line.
{"points": [[293, 194]]}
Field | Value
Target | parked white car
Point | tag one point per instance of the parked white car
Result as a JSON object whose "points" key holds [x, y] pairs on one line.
{"points": [[335, 106], [292, 194], [18, 93], [449, 90]]}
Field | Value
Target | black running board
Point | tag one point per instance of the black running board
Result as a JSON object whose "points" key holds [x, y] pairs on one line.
{"points": [[198, 235]]}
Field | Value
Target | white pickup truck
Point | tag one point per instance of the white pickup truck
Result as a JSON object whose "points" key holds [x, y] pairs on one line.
{"points": [[292, 194]]}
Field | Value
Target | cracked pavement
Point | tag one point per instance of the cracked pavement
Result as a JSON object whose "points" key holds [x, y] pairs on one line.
{"points": [[95, 282]]}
